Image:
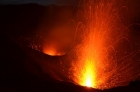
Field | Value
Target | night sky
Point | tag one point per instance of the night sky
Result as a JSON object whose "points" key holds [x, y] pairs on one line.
{"points": [[42, 2]]}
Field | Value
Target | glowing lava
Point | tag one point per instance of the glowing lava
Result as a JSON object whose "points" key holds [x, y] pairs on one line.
{"points": [[88, 82], [89, 75], [100, 55], [103, 57], [50, 50]]}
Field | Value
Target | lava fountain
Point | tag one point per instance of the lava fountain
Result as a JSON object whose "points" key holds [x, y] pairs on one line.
{"points": [[104, 55]]}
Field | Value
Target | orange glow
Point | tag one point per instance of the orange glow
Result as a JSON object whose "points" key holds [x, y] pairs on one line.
{"points": [[89, 76], [50, 50], [102, 55], [102, 33], [88, 82]]}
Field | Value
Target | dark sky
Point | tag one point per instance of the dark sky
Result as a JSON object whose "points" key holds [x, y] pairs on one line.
{"points": [[42, 2]]}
